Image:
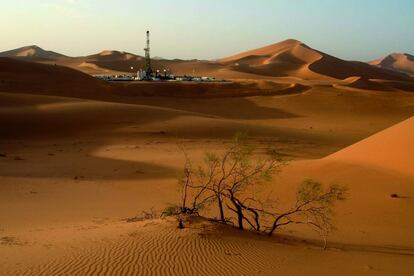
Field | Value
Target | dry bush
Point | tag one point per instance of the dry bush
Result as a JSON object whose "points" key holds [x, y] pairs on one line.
{"points": [[227, 181]]}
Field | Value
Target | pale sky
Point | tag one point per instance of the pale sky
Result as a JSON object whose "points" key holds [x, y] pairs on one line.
{"points": [[351, 29]]}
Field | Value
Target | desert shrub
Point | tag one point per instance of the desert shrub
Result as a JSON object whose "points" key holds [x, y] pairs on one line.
{"points": [[169, 211], [225, 181]]}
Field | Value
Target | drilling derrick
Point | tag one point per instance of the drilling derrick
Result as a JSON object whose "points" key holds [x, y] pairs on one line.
{"points": [[148, 69]]}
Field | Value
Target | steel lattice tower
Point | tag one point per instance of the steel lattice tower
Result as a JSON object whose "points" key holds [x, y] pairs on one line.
{"points": [[148, 69]]}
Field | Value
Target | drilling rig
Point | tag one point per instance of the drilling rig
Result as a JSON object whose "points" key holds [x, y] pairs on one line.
{"points": [[148, 69]]}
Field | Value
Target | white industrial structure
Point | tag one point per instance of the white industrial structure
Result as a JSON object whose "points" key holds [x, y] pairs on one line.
{"points": [[148, 74]]}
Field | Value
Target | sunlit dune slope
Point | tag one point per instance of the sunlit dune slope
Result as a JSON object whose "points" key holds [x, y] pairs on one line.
{"points": [[391, 149], [379, 174]]}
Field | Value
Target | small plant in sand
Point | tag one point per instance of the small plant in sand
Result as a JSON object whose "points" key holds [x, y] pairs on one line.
{"points": [[145, 215], [232, 182]]}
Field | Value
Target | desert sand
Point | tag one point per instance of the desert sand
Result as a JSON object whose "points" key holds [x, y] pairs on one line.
{"points": [[79, 156]]}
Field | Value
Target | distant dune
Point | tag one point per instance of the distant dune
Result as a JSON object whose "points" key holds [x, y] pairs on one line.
{"points": [[109, 55], [293, 58], [398, 62], [110, 60], [289, 58], [32, 52]]}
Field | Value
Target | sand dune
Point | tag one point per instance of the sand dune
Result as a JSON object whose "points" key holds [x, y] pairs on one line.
{"points": [[33, 53], [391, 149], [379, 174], [290, 58], [108, 54], [293, 58], [398, 62], [29, 77], [112, 61]]}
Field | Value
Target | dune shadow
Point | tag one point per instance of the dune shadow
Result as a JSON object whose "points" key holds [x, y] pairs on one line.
{"points": [[228, 108], [339, 69], [53, 118], [86, 168], [73, 122]]}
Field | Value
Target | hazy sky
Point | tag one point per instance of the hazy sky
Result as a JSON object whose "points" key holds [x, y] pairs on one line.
{"points": [[206, 29]]}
